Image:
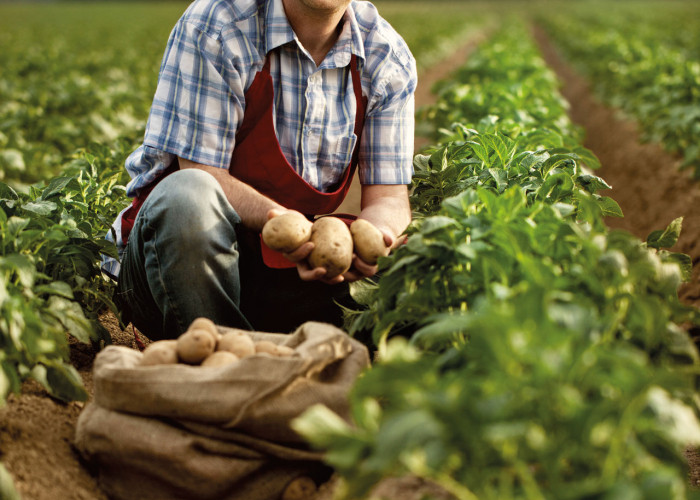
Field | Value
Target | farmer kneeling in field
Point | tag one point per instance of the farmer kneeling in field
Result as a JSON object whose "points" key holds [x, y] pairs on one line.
{"points": [[262, 107]]}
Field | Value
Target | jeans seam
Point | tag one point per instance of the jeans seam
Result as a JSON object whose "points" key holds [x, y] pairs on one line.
{"points": [[162, 282]]}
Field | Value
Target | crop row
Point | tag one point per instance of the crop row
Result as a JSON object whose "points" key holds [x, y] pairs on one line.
{"points": [[644, 66], [70, 111], [525, 351], [74, 75]]}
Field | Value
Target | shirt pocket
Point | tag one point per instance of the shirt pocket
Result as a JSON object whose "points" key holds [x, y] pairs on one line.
{"points": [[342, 152]]}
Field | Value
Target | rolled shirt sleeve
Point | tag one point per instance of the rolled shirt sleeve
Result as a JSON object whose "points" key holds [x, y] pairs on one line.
{"points": [[386, 155], [196, 108], [390, 76]]}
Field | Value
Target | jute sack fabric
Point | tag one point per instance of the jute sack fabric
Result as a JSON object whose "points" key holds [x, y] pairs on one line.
{"points": [[188, 432]]}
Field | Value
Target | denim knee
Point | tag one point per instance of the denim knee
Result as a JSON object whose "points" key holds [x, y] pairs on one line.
{"points": [[189, 206]]}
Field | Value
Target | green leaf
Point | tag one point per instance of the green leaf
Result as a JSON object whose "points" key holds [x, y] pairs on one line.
{"points": [[43, 208], [481, 152], [320, 425], [7, 193], [23, 265], [500, 176], [15, 225], [12, 378], [592, 183], [684, 262], [437, 223], [588, 157], [609, 207], [668, 237], [60, 288], [406, 431], [71, 316], [57, 187], [7, 487], [64, 382]]}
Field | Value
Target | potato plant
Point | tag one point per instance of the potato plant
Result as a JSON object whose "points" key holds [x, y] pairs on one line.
{"points": [[649, 67], [525, 350], [51, 242]]}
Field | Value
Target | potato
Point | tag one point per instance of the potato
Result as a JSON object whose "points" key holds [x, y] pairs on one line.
{"points": [[284, 351], [237, 343], [195, 345], [266, 346], [368, 240], [286, 232], [332, 246], [220, 358], [161, 352], [301, 488], [279, 351], [206, 324]]}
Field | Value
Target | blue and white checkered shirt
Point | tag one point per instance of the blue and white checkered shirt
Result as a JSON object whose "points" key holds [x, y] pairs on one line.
{"points": [[212, 57]]}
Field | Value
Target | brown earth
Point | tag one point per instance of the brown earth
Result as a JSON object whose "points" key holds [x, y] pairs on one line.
{"points": [[36, 431], [646, 180]]}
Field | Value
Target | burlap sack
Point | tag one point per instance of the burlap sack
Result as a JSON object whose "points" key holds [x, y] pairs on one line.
{"points": [[187, 432]]}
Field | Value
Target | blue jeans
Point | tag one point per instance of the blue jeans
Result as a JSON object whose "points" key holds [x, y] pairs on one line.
{"points": [[188, 255]]}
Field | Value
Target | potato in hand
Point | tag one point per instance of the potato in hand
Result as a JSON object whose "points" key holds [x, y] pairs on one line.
{"points": [[286, 232], [332, 246], [368, 241]]}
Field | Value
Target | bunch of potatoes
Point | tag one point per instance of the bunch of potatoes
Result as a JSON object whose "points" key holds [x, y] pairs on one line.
{"points": [[203, 345], [334, 242]]}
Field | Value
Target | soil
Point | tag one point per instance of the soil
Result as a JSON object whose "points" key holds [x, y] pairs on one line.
{"points": [[36, 431], [646, 180]]}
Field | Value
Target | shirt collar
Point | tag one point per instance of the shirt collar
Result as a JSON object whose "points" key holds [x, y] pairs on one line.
{"points": [[278, 32]]}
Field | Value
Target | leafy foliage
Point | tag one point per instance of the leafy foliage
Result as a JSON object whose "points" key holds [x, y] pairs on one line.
{"points": [[526, 409], [51, 242], [504, 83], [432, 30], [74, 82], [525, 351], [70, 112], [648, 66]]}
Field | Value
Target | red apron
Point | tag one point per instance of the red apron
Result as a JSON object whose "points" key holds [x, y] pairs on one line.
{"points": [[259, 161]]}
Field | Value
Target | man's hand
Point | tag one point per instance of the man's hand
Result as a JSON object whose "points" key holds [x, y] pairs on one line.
{"points": [[385, 206], [300, 257], [361, 269], [388, 209]]}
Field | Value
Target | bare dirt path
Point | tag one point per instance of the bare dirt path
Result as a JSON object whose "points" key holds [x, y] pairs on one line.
{"points": [[645, 179]]}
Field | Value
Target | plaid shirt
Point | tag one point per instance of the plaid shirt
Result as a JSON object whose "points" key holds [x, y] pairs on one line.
{"points": [[212, 57]]}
